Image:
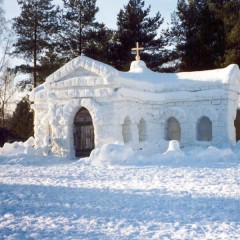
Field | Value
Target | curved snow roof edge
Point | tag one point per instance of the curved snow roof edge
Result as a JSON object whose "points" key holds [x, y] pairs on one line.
{"points": [[224, 74], [38, 92], [101, 69], [233, 72]]}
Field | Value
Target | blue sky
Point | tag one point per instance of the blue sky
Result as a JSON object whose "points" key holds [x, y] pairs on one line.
{"points": [[108, 9]]}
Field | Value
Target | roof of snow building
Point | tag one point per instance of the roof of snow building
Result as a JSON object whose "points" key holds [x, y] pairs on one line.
{"points": [[142, 78], [86, 72]]}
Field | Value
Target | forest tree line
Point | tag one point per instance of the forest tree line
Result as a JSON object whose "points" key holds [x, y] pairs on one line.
{"points": [[203, 34]]}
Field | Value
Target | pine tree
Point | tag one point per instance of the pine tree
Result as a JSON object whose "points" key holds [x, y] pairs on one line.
{"points": [[78, 23], [100, 45], [228, 11], [232, 54], [135, 25], [22, 119], [35, 28], [197, 36]]}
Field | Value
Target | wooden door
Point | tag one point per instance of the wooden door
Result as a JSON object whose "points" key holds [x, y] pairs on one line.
{"points": [[237, 125], [83, 133]]}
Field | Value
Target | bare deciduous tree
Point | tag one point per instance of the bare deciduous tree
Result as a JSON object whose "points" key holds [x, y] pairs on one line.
{"points": [[7, 90], [7, 86]]}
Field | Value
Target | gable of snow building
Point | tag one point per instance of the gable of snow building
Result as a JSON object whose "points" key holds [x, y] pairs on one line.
{"points": [[82, 72]]}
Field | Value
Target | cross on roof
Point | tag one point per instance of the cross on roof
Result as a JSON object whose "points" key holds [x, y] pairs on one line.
{"points": [[137, 49]]}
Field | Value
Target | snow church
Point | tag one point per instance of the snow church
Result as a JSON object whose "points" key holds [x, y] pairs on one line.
{"points": [[86, 104]]}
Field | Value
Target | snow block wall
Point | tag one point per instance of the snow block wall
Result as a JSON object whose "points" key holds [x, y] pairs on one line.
{"points": [[139, 108], [41, 117]]}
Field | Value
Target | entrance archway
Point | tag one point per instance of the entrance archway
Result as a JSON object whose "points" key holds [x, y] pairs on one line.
{"points": [[83, 133]]}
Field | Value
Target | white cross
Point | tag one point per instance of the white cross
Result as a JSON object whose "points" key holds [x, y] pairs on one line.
{"points": [[137, 49]]}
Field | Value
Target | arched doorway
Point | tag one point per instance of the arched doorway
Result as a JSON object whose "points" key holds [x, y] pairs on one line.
{"points": [[83, 133]]}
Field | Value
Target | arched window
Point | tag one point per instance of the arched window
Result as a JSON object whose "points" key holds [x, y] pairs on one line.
{"points": [[204, 129], [126, 130], [173, 129], [142, 130]]}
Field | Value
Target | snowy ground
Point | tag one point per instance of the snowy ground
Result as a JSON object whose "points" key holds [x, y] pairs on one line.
{"points": [[179, 195]]}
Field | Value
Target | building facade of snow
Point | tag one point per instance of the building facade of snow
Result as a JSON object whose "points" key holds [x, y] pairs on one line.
{"points": [[86, 104]]}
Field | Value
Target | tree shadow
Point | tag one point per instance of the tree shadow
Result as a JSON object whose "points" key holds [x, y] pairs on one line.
{"points": [[68, 207]]}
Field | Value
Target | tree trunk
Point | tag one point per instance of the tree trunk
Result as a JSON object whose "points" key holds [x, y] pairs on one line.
{"points": [[3, 115], [80, 33], [35, 56]]}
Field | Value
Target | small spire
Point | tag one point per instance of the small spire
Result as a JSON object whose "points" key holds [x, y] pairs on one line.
{"points": [[137, 49]]}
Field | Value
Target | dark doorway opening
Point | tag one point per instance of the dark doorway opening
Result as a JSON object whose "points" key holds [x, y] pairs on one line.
{"points": [[83, 133], [237, 125]]}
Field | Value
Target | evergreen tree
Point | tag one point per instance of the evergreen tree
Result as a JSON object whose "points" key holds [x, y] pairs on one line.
{"points": [[50, 62], [135, 25], [35, 28], [197, 36], [78, 26], [100, 45], [228, 11], [22, 119], [232, 23]]}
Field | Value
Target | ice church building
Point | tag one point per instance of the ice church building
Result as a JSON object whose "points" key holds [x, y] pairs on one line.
{"points": [[86, 104]]}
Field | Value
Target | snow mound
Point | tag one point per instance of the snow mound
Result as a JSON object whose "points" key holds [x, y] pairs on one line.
{"points": [[12, 148], [173, 146], [26, 147], [114, 154], [121, 155], [173, 153]]}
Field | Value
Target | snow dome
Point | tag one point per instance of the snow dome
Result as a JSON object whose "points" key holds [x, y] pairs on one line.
{"points": [[86, 104]]}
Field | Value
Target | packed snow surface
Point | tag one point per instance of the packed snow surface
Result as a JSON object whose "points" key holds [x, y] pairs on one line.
{"points": [[120, 194]]}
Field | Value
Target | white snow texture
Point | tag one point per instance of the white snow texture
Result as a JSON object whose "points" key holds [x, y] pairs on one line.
{"points": [[121, 194]]}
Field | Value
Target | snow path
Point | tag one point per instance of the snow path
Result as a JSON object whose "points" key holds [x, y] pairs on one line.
{"points": [[59, 199]]}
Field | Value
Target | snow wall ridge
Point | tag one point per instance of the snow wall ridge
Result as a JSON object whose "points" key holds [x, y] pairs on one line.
{"points": [[38, 91]]}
